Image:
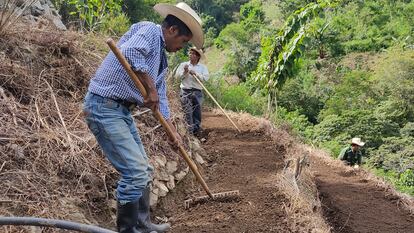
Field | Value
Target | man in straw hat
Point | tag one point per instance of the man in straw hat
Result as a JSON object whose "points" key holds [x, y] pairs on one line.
{"points": [[351, 155], [112, 95], [191, 94]]}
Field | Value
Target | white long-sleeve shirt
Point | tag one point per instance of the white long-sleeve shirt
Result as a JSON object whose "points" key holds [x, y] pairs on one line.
{"points": [[187, 81]]}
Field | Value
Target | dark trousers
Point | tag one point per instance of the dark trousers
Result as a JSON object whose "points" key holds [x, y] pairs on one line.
{"points": [[191, 100]]}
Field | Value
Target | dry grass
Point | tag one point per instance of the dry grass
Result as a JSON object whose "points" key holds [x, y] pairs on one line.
{"points": [[304, 208], [11, 11], [50, 164]]}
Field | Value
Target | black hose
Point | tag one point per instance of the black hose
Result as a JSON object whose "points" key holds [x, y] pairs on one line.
{"points": [[44, 222]]}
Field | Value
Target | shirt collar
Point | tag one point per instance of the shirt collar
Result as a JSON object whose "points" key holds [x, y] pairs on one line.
{"points": [[189, 62], [161, 35]]}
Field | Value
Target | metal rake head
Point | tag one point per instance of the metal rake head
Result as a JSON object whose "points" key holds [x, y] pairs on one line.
{"points": [[222, 196]]}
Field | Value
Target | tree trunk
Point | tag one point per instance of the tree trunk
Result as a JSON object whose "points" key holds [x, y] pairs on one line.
{"points": [[271, 100]]}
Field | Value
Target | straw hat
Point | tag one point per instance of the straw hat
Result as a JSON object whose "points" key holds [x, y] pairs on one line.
{"points": [[188, 16], [357, 141], [199, 51]]}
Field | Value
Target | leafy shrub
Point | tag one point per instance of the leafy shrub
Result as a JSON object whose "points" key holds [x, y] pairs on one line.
{"points": [[140, 10], [235, 97], [222, 11], [353, 92], [393, 78], [239, 98], [372, 25], [355, 123], [407, 130], [115, 26], [392, 111], [395, 154], [333, 147], [91, 13], [403, 182], [242, 41], [299, 95], [407, 178], [330, 128], [361, 45], [300, 124]]}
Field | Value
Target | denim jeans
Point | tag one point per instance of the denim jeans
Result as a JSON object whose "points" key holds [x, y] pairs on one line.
{"points": [[191, 100], [117, 135]]}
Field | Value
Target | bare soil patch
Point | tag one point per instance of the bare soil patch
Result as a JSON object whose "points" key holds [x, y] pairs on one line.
{"points": [[352, 203], [248, 162]]}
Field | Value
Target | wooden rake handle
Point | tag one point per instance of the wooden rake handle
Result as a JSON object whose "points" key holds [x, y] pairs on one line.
{"points": [[157, 114], [215, 101]]}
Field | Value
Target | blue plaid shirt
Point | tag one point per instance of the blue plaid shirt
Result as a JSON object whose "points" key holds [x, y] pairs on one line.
{"points": [[143, 47]]}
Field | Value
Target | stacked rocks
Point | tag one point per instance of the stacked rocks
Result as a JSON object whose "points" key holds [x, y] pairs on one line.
{"points": [[38, 10], [168, 171]]}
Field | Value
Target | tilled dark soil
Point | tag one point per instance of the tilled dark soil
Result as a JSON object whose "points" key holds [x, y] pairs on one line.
{"points": [[249, 162], [354, 204], [245, 161]]}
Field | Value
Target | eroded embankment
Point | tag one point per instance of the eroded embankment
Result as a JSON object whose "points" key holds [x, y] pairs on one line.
{"points": [[355, 202]]}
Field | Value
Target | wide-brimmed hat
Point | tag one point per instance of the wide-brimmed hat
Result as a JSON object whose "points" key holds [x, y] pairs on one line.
{"points": [[188, 16], [200, 52], [357, 141]]}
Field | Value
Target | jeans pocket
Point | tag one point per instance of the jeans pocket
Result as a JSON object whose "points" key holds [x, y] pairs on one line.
{"points": [[92, 125], [90, 120], [110, 105]]}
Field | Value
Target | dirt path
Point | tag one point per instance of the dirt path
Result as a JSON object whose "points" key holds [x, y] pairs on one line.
{"points": [[354, 204], [247, 162]]}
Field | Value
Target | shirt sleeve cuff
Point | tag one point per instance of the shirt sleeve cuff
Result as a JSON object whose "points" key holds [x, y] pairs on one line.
{"points": [[164, 106], [165, 111]]}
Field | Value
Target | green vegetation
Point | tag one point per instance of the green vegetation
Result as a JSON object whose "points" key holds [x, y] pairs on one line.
{"points": [[240, 41], [236, 97], [333, 70]]}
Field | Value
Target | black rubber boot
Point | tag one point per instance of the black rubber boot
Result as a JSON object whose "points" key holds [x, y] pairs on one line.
{"points": [[144, 221], [126, 219]]}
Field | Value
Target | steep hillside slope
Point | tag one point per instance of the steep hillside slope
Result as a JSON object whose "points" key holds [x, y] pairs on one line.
{"points": [[50, 164]]}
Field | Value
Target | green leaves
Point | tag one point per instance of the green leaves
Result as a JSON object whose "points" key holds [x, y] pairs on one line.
{"points": [[280, 53], [242, 40], [91, 13], [236, 97]]}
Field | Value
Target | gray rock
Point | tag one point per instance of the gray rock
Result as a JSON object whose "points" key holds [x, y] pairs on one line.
{"points": [[163, 190], [52, 14], [40, 8], [161, 160], [162, 175], [199, 159], [179, 176], [171, 183], [195, 146], [171, 167], [37, 9], [153, 198]]}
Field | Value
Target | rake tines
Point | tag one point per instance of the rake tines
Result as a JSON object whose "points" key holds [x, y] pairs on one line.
{"points": [[222, 196]]}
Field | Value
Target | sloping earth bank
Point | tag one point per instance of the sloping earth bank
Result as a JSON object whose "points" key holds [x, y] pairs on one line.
{"points": [[352, 203], [247, 162]]}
